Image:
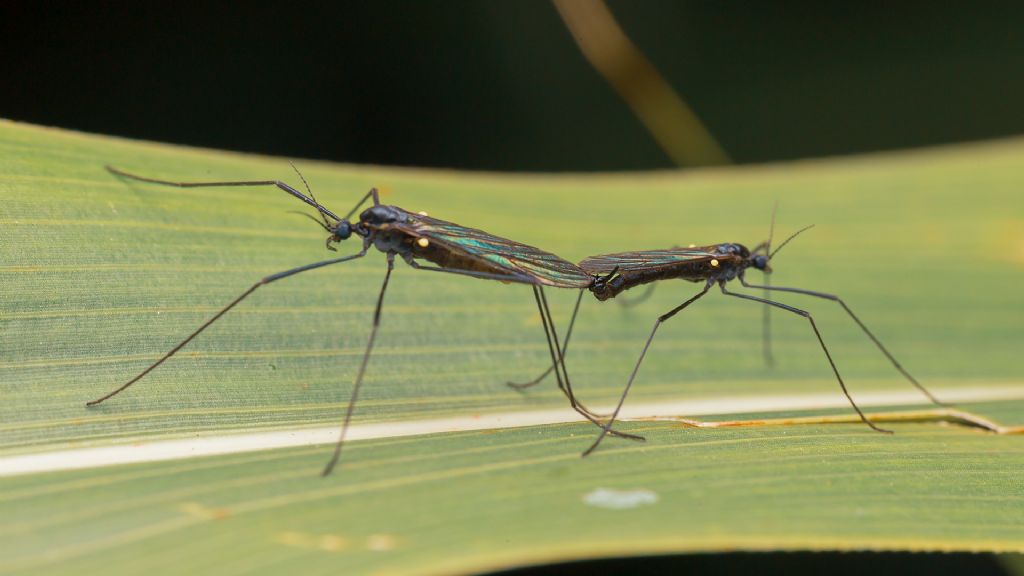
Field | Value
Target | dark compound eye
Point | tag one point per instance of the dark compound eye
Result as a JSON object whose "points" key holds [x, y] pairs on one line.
{"points": [[760, 262], [343, 230]]}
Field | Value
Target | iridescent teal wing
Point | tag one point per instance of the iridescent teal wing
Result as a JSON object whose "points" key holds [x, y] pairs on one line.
{"points": [[646, 260], [510, 256]]}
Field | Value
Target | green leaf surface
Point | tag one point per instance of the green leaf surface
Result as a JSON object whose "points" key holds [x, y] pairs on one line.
{"points": [[100, 276]]}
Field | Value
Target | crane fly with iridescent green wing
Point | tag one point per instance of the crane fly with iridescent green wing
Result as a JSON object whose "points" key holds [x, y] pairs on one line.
{"points": [[412, 236]]}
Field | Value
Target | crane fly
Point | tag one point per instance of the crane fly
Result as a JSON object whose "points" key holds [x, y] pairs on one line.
{"points": [[716, 264], [769, 358], [451, 248]]}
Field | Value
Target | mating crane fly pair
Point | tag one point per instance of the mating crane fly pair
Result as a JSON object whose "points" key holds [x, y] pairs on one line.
{"points": [[455, 249]]}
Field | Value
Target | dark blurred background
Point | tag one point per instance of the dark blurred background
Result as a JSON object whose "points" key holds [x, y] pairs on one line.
{"points": [[502, 85]]}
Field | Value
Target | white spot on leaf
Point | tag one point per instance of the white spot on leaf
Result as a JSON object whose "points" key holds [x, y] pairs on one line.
{"points": [[619, 499]]}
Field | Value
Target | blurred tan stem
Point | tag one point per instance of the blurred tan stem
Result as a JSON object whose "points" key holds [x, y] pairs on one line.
{"points": [[666, 116]]}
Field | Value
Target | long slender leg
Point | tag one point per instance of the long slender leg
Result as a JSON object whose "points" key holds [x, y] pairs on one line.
{"points": [[766, 327], [565, 349], [766, 317], [583, 410], [362, 369], [264, 281], [576, 405], [320, 208], [564, 383], [821, 341], [877, 342], [557, 360], [371, 194], [657, 323], [562, 374], [549, 332], [554, 350], [624, 302]]}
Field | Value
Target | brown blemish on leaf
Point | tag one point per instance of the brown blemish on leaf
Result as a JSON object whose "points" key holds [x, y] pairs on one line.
{"points": [[940, 415]]}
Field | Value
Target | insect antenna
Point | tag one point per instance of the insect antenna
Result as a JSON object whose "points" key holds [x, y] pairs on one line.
{"points": [[310, 190], [771, 229], [324, 213], [362, 368], [281, 185], [795, 234], [323, 225]]}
